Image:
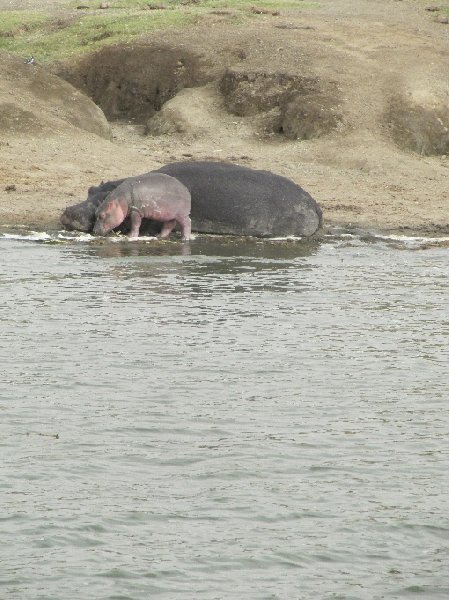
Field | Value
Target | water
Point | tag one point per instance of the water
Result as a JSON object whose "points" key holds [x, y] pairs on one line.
{"points": [[224, 419]]}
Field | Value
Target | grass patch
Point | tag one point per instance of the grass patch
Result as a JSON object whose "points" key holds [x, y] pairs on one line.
{"points": [[14, 23], [88, 33], [69, 33]]}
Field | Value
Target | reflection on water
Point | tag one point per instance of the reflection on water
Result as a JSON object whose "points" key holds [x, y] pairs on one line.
{"points": [[206, 246], [224, 418]]}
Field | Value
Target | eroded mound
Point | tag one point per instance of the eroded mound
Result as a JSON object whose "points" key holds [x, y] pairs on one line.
{"points": [[190, 113], [309, 117], [133, 82], [136, 82], [33, 101], [14, 120], [419, 128], [248, 93], [305, 106]]}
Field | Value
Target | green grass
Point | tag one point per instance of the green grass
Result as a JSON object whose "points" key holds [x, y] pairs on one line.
{"points": [[88, 33], [19, 22], [34, 33]]}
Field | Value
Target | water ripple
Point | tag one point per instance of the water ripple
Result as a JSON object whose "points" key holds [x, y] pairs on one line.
{"points": [[245, 419]]}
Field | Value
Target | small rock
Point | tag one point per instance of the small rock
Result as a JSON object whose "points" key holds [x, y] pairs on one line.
{"points": [[432, 8], [292, 26], [104, 5], [442, 19], [10, 188], [264, 11], [156, 7]]}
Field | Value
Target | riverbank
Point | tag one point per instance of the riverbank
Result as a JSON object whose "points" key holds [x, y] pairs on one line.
{"points": [[367, 78]]}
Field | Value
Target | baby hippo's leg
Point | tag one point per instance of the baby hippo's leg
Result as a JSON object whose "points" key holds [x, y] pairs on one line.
{"points": [[167, 228], [136, 220], [186, 227]]}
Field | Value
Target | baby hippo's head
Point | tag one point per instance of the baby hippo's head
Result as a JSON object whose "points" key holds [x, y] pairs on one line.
{"points": [[109, 215]]}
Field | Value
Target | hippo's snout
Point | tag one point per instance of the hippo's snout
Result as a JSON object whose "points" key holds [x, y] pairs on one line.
{"points": [[71, 219], [65, 220], [99, 229]]}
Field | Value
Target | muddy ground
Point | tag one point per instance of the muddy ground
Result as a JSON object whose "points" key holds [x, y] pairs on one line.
{"points": [[350, 100]]}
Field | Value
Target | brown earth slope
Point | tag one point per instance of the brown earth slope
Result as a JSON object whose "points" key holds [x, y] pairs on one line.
{"points": [[350, 99]]}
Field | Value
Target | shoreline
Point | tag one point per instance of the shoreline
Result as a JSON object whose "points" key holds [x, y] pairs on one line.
{"points": [[335, 228]]}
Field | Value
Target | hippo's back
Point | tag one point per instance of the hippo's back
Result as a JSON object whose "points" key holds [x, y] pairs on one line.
{"points": [[231, 199]]}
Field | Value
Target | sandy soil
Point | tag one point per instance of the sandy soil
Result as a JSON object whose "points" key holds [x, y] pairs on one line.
{"points": [[383, 59]]}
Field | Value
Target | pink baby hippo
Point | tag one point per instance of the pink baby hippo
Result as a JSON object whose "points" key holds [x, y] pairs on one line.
{"points": [[152, 196]]}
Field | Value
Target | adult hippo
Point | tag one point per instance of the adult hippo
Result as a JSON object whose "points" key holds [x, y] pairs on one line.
{"points": [[226, 199], [235, 200]]}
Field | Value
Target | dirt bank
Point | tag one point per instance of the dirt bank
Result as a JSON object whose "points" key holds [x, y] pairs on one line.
{"points": [[349, 99]]}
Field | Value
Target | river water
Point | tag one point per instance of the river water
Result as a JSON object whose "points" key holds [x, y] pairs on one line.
{"points": [[224, 419]]}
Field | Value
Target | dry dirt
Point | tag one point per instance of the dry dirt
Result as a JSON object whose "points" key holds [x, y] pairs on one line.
{"points": [[350, 100]]}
